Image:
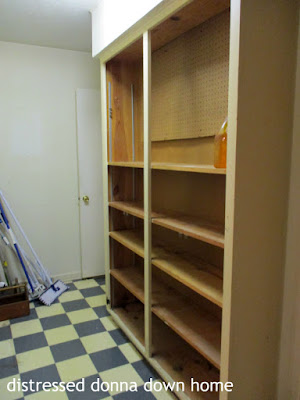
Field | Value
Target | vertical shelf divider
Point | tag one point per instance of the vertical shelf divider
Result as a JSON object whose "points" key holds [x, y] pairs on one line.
{"points": [[105, 178], [147, 190]]}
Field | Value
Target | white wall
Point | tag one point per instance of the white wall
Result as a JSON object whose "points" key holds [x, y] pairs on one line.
{"points": [[38, 161], [113, 17], [289, 370]]}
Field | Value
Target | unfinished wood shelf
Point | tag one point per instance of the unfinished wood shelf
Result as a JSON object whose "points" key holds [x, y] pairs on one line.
{"points": [[203, 333], [194, 227], [203, 169], [163, 166], [194, 274], [126, 164]]}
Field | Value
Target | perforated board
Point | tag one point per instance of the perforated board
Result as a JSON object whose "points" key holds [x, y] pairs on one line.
{"points": [[190, 82]]}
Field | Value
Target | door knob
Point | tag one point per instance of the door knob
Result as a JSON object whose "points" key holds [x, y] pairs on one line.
{"points": [[86, 199]]}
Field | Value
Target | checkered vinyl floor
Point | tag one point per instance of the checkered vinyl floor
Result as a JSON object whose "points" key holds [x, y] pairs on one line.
{"points": [[74, 338]]}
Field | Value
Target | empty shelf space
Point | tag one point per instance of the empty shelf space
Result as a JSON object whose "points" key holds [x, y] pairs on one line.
{"points": [[181, 362], [135, 208], [194, 227], [132, 279], [198, 328], [132, 239], [198, 168], [128, 164], [205, 169], [132, 318], [195, 274]]}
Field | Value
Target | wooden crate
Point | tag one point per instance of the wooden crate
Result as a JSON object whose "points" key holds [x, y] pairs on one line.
{"points": [[14, 302]]}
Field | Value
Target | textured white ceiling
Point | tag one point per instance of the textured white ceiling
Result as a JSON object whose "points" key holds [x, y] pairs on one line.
{"points": [[64, 24]]}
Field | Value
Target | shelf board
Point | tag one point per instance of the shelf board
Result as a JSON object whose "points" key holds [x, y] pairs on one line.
{"points": [[132, 279], [194, 227], [192, 273], [198, 168], [198, 328], [197, 276], [132, 239], [204, 169], [128, 164], [134, 208]]}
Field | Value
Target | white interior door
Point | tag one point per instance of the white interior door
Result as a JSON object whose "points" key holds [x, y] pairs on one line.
{"points": [[90, 181]]}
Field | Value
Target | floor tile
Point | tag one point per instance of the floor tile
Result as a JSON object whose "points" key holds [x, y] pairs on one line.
{"points": [[109, 323], [5, 333], [44, 374], [124, 373], [97, 342], [101, 311], [130, 352], [145, 370], [97, 301], [89, 328], [79, 316], [26, 328], [119, 337], [103, 287], [75, 305], [89, 394], [107, 359], [8, 367], [93, 291], [71, 295], [30, 342], [76, 368], [3, 324], [7, 348], [61, 335], [100, 280], [10, 395], [67, 350], [31, 316], [141, 394], [86, 283], [46, 311], [55, 322], [31, 360]]}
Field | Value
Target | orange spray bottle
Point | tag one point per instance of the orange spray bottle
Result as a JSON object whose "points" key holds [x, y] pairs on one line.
{"points": [[221, 146]]}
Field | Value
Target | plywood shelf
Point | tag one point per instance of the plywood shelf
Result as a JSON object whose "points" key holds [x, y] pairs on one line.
{"points": [[132, 239], [204, 169], [194, 227], [198, 168], [193, 273], [201, 330], [126, 164], [134, 208]]}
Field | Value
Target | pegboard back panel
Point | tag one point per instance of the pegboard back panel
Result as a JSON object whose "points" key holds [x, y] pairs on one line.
{"points": [[190, 82]]}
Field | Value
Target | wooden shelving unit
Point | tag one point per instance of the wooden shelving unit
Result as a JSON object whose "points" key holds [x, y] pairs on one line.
{"points": [[175, 262]]}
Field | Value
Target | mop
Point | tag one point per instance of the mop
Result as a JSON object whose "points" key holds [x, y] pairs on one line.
{"points": [[40, 284]]}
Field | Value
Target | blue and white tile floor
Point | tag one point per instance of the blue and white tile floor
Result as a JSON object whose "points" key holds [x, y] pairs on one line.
{"points": [[75, 338]]}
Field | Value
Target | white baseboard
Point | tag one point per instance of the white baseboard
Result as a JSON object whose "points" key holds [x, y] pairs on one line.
{"points": [[68, 277]]}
